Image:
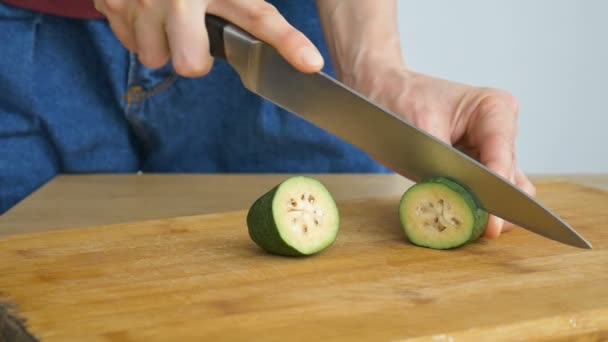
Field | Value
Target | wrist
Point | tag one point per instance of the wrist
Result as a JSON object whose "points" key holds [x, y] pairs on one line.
{"points": [[365, 66], [361, 35]]}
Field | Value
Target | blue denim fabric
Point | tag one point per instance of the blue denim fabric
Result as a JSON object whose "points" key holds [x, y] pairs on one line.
{"points": [[73, 100]]}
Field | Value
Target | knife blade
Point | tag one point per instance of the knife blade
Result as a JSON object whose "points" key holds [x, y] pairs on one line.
{"points": [[384, 136]]}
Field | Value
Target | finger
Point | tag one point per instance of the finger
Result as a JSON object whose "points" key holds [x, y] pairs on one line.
{"points": [[187, 37], [492, 130], [524, 182], [496, 154], [266, 23], [124, 33], [150, 38], [116, 14], [494, 227], [506, 225]]}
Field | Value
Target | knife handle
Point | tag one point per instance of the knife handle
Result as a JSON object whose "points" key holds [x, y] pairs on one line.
{"points": [[215, 30]]}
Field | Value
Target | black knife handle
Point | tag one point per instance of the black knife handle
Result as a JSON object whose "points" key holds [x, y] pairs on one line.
{"points": [[215, 30]]}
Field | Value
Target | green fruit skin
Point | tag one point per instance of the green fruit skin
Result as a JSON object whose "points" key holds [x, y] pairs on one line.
{"points": [[263, 229], [480, 215]]}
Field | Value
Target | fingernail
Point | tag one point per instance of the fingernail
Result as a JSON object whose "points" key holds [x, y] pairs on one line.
{"points": [[311, 58], [500, 223], [495, 225]]}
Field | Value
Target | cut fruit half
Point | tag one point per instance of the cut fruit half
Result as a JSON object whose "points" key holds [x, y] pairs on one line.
{"points": [[440, 213], [297, 217]]}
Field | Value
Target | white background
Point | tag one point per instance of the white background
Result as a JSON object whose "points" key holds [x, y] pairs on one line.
{"points": [[552, 55]]}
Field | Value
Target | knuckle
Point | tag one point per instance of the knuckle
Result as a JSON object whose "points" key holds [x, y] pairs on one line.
{"points": [[260, 13], [188, 66], [144, 3], [498, 100], [115, 6], [510, 102]]}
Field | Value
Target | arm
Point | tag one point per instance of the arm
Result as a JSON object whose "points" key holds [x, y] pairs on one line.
{"points": [[363, 40], [361, 34]]}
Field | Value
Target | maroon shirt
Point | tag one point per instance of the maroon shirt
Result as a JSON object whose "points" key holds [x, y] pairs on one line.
{"points": [[81, 9]]}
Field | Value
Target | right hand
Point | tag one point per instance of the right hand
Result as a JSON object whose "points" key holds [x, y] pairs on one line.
{"points": [[162, 30]]}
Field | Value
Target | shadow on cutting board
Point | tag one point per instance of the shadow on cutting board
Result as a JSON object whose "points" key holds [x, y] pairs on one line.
{"points": [[12, 328]]}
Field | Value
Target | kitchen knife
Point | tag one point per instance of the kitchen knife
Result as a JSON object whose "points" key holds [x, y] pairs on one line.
{"points": [[384, 136]]}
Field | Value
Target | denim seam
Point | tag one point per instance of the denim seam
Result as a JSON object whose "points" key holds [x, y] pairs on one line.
{"points": [[144, 94], [135, 98], [132, 69], [127, 97], [40, 125], [166, 83]]}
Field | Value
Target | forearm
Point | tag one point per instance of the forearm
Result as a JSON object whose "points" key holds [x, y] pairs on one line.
{"points": [[361, 34]]}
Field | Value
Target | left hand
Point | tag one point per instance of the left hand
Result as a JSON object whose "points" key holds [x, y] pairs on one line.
{"points": [[482, 122]]}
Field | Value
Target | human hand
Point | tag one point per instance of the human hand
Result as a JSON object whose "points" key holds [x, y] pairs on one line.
{"points": [[481, 122], [159, 30]]}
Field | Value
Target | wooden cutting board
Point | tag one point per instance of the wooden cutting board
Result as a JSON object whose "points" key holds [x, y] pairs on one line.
{"points": [[202, 278]]}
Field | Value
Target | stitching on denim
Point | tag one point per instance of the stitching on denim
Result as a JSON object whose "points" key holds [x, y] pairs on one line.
{"points": [[146, 94], [143, 94], [134, 100], [127, 97], [163, 85], [166, 83]]}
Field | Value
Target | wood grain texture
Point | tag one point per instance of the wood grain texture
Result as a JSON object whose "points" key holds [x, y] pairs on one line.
{"points": [[100, 199], [91, 200], [201, 278]]}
